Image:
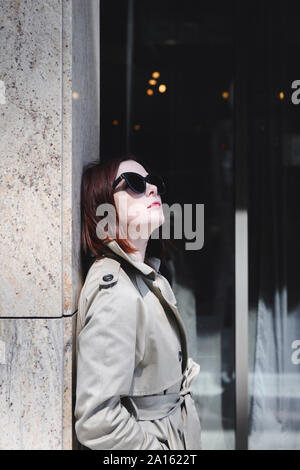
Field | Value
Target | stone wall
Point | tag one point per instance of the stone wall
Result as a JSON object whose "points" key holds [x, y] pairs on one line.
{"points": [[49, 121]]}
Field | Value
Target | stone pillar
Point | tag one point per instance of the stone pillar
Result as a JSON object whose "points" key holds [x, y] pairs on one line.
{"points": [[49, 51]]}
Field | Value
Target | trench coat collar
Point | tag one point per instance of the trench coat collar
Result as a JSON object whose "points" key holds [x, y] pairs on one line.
{"points": [[149, 268]]}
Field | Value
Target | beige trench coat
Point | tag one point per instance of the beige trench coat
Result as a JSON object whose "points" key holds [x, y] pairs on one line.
{"points": [[133, 370]]}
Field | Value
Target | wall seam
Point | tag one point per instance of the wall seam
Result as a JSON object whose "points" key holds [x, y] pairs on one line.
{"points": [[61, 214]]}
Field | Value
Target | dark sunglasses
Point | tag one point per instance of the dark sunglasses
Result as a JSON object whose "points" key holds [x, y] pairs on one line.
{"points": [[137, 182]]}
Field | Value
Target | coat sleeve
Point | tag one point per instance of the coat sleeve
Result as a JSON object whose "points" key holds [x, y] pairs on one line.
{"points": [[106, 358]]}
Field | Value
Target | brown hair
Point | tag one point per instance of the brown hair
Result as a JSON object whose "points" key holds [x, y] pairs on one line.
{"points": [[96, 189]]}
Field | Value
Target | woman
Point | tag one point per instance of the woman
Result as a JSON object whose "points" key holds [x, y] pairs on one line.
{"points": [[133, 369]]}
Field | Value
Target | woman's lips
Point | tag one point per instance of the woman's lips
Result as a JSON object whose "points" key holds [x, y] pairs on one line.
{"points": [[154, 204]]}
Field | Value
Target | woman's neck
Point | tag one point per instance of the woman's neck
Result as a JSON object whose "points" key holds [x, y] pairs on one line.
{"points": [[141, 245]]}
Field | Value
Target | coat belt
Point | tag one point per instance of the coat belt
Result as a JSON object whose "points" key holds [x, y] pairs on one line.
{"points": [[150, 407]]}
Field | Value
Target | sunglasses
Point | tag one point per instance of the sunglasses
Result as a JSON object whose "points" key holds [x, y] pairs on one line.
{"points": [[137, 182]]}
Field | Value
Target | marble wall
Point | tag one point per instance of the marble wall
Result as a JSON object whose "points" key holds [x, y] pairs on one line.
{"points": [[49, 121]]}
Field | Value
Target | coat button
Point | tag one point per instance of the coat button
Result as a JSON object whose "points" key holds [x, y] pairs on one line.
{"points": [[179, 355], [107, 277]]}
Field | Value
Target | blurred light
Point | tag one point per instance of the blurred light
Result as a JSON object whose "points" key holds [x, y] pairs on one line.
{"points": [[149, 92], [281, 95], [152, 82], [225, 95], [115, 122], [162, 88], [75, 95], [155, 74], [137, 127], [223, 146], [170, 42]]}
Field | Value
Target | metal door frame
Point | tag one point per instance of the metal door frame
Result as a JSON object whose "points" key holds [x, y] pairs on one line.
{"points": [[241, 49]]}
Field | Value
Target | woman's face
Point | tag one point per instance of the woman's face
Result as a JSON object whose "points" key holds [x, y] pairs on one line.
{"points": [[135, 216]]}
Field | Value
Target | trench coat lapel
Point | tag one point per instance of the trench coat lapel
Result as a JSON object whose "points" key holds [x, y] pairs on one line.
{"points": [[157, 291], [149, 271]]}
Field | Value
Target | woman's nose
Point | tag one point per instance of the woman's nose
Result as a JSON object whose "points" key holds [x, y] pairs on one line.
{"points": [[151, 188]]}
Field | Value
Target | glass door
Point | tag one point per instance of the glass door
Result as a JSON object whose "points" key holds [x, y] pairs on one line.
{"points": [[270, 124]]}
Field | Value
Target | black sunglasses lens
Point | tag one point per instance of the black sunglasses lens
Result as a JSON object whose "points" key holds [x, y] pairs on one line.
{"points": [[157, 181], [135, 182]]}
